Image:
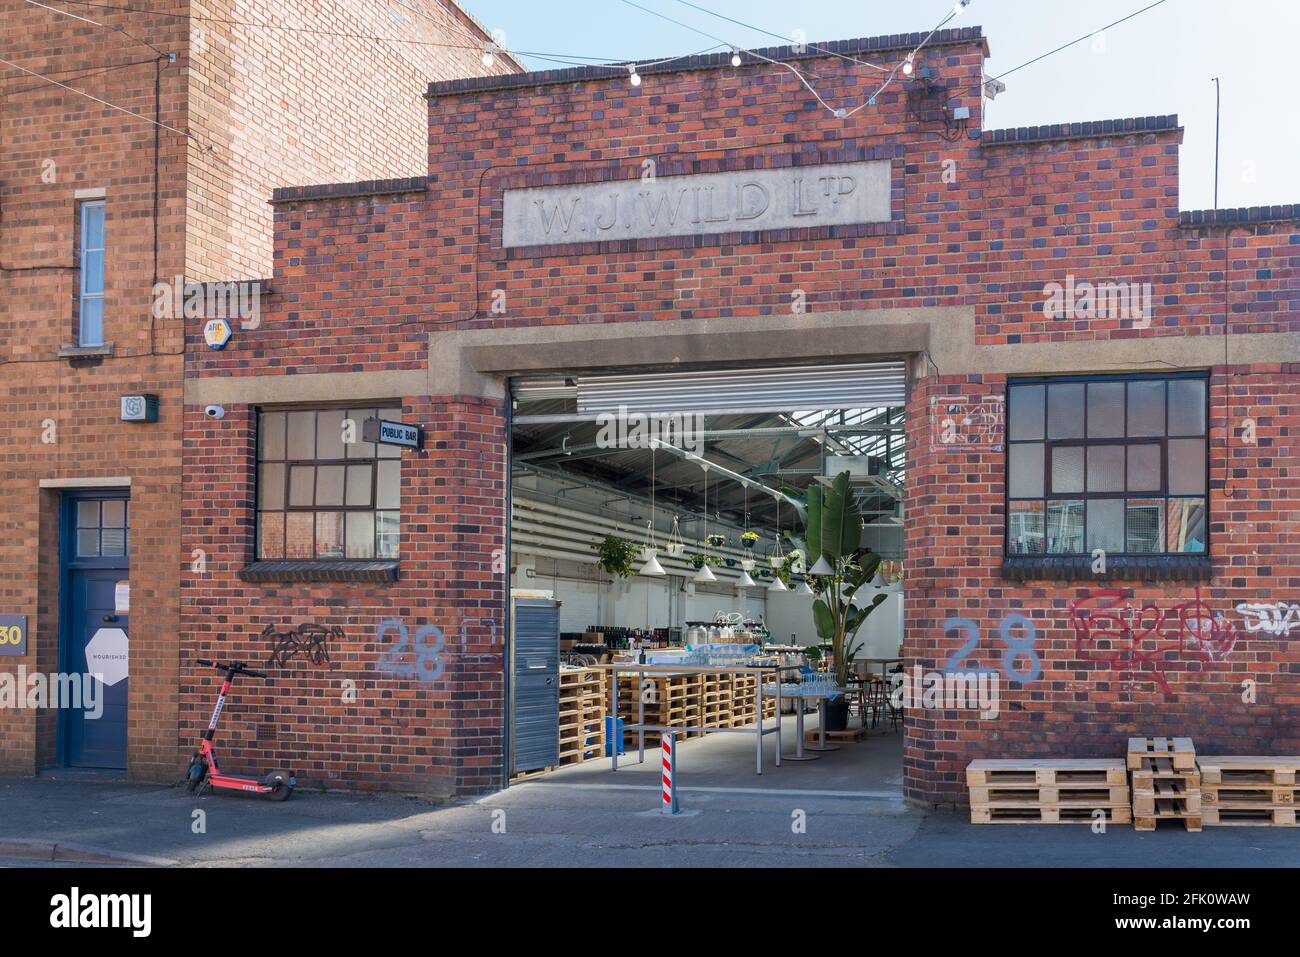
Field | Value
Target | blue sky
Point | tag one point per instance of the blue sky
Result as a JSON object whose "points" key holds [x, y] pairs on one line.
{"points": [[1158, 63]]}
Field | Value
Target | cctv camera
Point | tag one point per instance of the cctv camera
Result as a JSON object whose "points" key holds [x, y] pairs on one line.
{"points": [[215, 412]]}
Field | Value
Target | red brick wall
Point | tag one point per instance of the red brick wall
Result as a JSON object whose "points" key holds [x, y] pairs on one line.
{"points": [[360, 281], [265, 107], [438, 735]]}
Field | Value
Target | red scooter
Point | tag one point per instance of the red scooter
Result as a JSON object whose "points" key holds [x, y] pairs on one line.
{"points": [[204, 771]]}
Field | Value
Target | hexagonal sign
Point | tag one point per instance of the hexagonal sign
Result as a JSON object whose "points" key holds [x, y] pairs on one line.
{"points": [[106, 655], [216, 333]]}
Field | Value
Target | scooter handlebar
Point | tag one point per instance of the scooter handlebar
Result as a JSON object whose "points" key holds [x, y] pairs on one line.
{"points": [[235, 666]]}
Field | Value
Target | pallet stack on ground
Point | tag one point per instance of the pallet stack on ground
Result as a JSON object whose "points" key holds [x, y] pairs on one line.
{"points": [[1166, 782], [713, 700], [582, 715], [1048, 791], [1245, 791]]}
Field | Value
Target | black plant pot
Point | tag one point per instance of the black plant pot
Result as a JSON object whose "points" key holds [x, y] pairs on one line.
{"points": [[837, 714]]}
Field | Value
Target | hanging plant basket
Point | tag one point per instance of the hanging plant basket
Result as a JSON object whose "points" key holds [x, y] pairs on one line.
{"points": [[747, 564], [675, 545], [749, 539], [616, 555], [715, 540]]}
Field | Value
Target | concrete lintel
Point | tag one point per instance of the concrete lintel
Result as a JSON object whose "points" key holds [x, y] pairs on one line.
{"points": [[314, 387], [110, 481]]}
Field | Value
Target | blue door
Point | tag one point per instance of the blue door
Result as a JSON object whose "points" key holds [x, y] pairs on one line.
{"points": [[96, 602]]}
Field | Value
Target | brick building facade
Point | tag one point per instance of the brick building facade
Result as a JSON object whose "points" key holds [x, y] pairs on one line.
{"points": [[384, 299], [246, 98]]}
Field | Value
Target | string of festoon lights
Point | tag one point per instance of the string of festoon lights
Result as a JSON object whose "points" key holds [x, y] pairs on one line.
{"points": [[738, 54]]}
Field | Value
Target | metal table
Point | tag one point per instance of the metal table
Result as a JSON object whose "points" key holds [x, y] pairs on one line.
{"points": [[759, 730]]}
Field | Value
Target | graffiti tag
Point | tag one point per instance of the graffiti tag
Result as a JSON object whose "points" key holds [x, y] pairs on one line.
{"points": [[309, 641], [1273, 619], [1144, 638]]}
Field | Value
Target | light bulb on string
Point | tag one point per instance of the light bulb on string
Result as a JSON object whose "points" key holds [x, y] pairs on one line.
{"points": [[488, 58], [907, 65], [735, 58], [634, 76]]}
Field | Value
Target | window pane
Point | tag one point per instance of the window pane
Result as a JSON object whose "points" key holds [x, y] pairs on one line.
{"points": [[271, 435], [1106, 524], [360, 479], [1146, 408], [389, 491], [87, 515], [113, 541], [1025, 470], [1065, 527], [302, 481], [1027, 411], [91, 332], [270, 486], [329, 484], [1025, 528], [1146, 526], [93, 226], [361, 534], [329, 534], [298, 531], [329, 434], [1065, 411], [87, 542], [1106, 468], [386, 534], [92, 272], [390, 451], [1144, 468], [1105, 410], [1186, 466], [1187, 407], [302, 435], [1187, 525], [360, 449], [1067, 469], [270, 535], [114, 514]]}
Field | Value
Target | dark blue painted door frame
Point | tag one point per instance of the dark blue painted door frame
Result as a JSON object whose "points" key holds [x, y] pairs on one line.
{"points": [[86, 587]]}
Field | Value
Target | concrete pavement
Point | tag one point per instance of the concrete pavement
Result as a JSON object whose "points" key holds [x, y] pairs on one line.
{"points": [[842, 810]]}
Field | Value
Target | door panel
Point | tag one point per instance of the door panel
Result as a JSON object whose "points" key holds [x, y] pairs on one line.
{"points": [[96, 742]]}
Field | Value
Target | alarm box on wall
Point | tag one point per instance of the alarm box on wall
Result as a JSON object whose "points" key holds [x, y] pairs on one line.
{"points": [[139, 408]]}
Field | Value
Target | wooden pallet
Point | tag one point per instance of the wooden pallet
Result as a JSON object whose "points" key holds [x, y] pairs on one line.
{"points": [[1162, 769], [1048, 815], [1102, 795], [1250, 817], [1178, 751], [1239, 795], [1161, 812], [847, 736], [1249, 770], [1062, 772]]}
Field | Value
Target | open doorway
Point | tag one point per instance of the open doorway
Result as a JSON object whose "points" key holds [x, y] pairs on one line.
{"points": [[702, 471]]}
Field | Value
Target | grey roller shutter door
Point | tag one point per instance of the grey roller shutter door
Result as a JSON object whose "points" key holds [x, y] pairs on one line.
{"points": [[795, 388]]}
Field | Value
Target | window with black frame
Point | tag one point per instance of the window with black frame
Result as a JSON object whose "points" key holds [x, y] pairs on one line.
{"points": [[323, 492], [1117, 463]]}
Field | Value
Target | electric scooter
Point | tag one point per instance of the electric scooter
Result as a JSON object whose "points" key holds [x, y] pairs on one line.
{"points": [[204, 771]]}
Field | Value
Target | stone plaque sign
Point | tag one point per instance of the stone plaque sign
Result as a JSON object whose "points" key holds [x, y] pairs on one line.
{"points": [[830, 194]]}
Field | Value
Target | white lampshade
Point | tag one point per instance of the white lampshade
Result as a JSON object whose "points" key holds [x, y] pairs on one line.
{"points": [[652, 567], [705, 574], [745, 581], [777, 585], [823, 567], [804, 590]]}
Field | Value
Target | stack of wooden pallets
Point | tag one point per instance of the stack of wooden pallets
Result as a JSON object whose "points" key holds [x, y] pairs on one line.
{"points": [[1048, 791], [582, 715], [1250, 791], [1166, 782]]}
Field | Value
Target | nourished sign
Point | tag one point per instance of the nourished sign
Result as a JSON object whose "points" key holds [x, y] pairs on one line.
{"points": [[831, 194]]}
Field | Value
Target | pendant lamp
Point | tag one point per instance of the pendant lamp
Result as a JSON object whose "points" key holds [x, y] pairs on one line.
{"points": [[652, 566], [777, 584], [804, 590], [745, 581], [705, 574], [823, 567]]}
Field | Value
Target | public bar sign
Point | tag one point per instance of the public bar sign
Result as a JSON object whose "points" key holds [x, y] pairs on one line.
{"points": [[392, 433], [698, 204]]}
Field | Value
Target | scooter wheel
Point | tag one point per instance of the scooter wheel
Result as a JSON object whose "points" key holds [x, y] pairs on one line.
{"points": [[281, 791], [194, 777]]}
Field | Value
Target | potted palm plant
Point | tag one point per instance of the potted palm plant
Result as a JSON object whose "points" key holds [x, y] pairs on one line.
{"points": [[833, 531]]}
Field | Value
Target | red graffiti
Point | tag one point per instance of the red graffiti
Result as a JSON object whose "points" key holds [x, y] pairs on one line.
{"points": [[1144, 638]]}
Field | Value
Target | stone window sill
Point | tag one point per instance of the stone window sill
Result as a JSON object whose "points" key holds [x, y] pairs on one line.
{"points": [[85, 352], [1118, 568], [321, 571]]}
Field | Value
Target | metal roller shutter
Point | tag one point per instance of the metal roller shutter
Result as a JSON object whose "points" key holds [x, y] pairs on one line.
{"points": [[859, 386]]}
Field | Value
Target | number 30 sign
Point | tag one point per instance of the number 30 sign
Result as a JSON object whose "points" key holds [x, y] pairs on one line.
{"points": [[13, 634]]}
